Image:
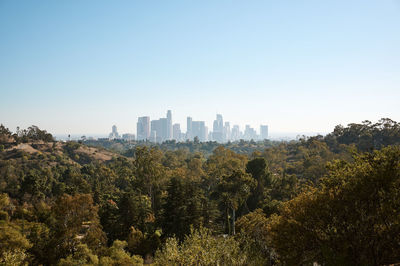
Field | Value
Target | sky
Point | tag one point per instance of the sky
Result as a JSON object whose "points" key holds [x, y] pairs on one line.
{"points": [[79, 67]]}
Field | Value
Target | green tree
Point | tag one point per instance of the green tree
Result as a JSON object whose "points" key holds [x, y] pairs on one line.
{"points": [[135, 210], [82, 256], [117, 256], [37, 183], [352, 218], [13, 244], [76, 222], [259, 171], [149, 172], [201, 248], [14, 257], [227, 182], [233, 190], [253, 238], [182, 208]]}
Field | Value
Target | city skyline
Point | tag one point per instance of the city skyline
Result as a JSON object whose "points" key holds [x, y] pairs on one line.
{"points": [[164, 129]]}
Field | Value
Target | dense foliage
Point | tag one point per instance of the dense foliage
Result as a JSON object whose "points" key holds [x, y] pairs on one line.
{"points": [[330, 199]]}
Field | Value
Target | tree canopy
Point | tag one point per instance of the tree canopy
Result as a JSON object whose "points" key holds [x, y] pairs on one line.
{"points": [[332, 200]]}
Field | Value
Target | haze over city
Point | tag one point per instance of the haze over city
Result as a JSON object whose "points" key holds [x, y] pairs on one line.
{"points": [[79, 67]]}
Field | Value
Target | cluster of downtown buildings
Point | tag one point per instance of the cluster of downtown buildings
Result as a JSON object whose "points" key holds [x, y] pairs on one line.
{"points": [[162, 130]]}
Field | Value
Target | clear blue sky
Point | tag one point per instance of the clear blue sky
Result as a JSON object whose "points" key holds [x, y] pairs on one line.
{"points": [[82, 66]]}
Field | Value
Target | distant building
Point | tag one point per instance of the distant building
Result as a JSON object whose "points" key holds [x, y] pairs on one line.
{"points": [[176, 132], [227, 132], [218, 129], [114, 133], [155, 131], [235, 135], [210, 138], [160, 128], [128, 137], [163, 128], [153, 136], [169, 126], [263, 132], [199, 130], [143, 128], [189, 128], [250, 133]]}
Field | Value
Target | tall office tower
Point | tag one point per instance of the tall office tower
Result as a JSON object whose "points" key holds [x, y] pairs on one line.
{"points": [[210, 137], [143, 128], [114, 130], [169, 125], [189, 128], [160, 127], [264, 132], [199, 130], [227, 132], [235, 135], [250, 133], [176, 132], [114, 133], [164, 129], [153, 136], [218, 129], [155, 130]]}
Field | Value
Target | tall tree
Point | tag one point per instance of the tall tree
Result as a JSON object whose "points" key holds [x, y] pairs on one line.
{"points": [[149, 172], [182, 208], [77, 222], [232, 191], [259, 171]]}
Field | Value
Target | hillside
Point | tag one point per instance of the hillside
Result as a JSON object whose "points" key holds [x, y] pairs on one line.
{"points": [[67, 203]]}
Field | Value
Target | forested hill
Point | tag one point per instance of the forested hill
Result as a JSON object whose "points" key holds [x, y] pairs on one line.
{"points": [[330, 199]]}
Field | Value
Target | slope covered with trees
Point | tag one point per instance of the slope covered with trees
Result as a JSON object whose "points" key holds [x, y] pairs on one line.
{"points": [[329, 199]]}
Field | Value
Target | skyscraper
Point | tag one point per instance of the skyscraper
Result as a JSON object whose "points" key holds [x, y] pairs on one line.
{"points": [[176, 132], [264, 132], [155, 130], [153, 136], [199, 130], [250, 133], [169, 126], [160, 126], [164, 129], [218, 129], [189, 128], [143, 128], [235, 135], [227, 132], [114, 133]]}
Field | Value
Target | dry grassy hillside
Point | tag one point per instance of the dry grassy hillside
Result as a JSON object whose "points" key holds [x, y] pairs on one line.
{"points": [[54, 151]]}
